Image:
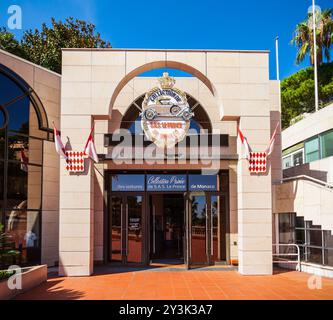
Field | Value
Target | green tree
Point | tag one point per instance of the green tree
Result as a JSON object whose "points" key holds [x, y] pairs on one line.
{"points": [[297, 92], [10, 44], [43, 47], [304, 40]]}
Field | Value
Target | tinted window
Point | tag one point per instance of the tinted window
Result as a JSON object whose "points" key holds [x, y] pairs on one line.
{"points": [[312, 149], [326, 140]]}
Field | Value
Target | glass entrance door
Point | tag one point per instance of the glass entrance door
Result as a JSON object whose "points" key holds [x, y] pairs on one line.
{"points": [[198, 229], [126, 228], [133, 229], [204, 229]]}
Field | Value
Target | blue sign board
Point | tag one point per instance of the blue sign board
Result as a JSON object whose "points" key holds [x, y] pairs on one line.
{"points": [[128, 182], [202, 182], [166, 182]]}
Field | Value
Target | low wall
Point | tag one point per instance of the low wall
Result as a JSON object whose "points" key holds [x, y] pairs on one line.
{"points": [[31, 277]]}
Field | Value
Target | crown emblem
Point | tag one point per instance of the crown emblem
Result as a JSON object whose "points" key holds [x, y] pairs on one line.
{"points": [[166, 82]]}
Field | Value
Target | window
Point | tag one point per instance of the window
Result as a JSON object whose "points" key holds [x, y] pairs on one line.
{"points": [[293, 159], [316, 245], [312, 150], [286, 162], [21, 159], [326, 144], [298, 158]]}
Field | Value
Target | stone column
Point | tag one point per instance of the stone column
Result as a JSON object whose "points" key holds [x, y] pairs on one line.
{"points": [[254, 203]]}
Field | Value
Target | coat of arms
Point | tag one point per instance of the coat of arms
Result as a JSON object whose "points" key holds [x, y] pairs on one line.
{"points": [[166, 114]]}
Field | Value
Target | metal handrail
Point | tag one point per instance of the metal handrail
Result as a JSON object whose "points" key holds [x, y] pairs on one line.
{"points": [[305, 177], [298, 267]]}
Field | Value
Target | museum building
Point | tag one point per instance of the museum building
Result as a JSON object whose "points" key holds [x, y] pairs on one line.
{"points": [[173, 183]]}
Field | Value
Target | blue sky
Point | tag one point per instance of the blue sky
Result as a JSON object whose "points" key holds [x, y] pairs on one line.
{"points": [[183, 24]]}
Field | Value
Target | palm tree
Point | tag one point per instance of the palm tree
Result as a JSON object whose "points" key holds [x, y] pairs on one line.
{"points": [[303, 38]]}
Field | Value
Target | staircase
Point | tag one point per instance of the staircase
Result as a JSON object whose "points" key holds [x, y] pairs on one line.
{"points": [[309, 198]]}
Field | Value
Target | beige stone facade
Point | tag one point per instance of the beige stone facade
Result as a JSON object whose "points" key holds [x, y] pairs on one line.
{"points": [[97, 88]]}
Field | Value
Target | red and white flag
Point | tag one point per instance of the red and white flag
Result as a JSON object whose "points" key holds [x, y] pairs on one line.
{"points": [[58, 143], [270, 148], [24, 161], [244, 142], [90, 149]]}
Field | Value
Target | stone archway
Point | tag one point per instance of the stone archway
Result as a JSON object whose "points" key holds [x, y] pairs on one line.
{"points": [[158, 65]]}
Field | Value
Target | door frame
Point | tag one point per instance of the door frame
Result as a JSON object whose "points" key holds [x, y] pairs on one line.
{"points": [[108, 193], [123, 196], [208, 244], [148, 215]]}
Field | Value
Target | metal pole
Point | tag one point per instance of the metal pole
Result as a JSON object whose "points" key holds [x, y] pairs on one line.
{"points": [[277, 59], [278, 68], [315, 54]]}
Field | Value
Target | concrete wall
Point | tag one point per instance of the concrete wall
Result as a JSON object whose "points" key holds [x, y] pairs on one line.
{"points": [[307, 199], [47, 86], [313, 124], [233, 87], [321, 169]]}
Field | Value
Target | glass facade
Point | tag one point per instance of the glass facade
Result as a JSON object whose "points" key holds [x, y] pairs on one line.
{"points": [[315, 148], [326, 144], [316, 245], [21, 160], [312, 150]]}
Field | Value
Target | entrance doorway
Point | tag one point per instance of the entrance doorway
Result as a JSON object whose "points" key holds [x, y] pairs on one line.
{"points": [[126, 225], [167, 227]]}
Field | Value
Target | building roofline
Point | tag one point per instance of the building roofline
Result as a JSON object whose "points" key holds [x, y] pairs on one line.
{"points": [[165, 50], [28, 62]]}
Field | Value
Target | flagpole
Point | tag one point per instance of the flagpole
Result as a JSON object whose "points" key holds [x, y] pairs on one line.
{"points": [[315, 54], [278, 68]]}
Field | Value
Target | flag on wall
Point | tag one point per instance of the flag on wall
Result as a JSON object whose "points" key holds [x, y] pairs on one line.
{"points": [[90, 149], [244, 142], [58, 143], [270, 147]]}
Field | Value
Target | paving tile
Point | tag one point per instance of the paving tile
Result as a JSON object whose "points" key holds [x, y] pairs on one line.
{"points": [[180, 285]]}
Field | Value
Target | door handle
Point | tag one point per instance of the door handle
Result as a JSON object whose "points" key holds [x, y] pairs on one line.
{"points": [[154, 230], [121, 228], [211, 230], [206, 231], [126, 228]]}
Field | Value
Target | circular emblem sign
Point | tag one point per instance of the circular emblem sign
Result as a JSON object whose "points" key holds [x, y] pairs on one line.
{"points": [[166, 114]]}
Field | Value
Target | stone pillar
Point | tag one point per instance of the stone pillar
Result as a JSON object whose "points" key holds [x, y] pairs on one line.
{"points": [[76, 249], [254, 203]]}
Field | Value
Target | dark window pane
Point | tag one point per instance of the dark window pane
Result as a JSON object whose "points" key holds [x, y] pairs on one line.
{"points": [[328, 254], [314, 255], [300, 236], [24, 186], [287, 228], [1, 186], [19, 116], [328, 239], [310, 225], [299, 222], [24, 229], [298, 158], [314, 237], [2, 143]]}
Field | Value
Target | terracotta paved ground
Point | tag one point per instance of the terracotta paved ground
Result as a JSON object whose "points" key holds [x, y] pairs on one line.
{"points": [[167, 285]]}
